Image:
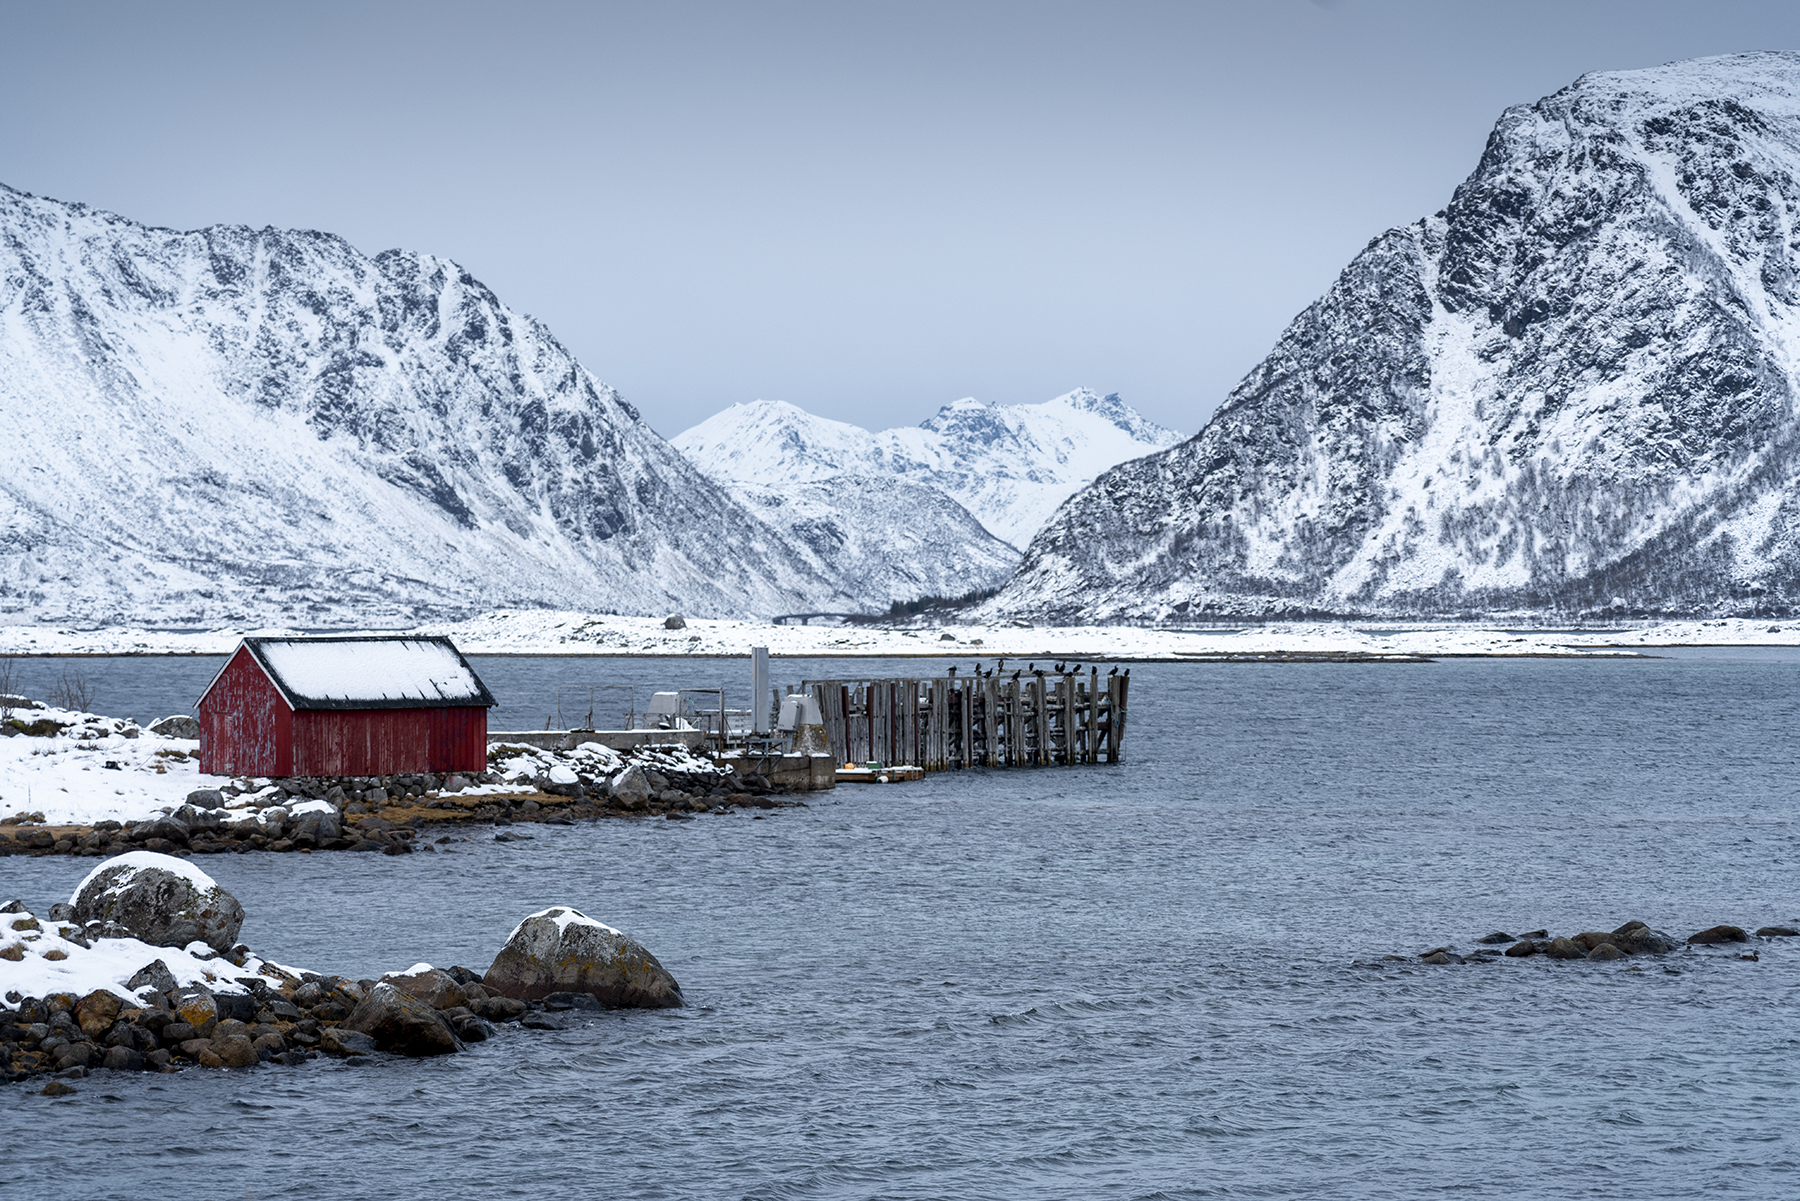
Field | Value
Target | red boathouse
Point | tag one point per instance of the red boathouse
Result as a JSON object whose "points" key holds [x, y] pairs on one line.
{"points": [[344, 707]]}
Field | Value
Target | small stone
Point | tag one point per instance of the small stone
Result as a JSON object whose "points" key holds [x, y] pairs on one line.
{"points": [[1778, 932], [56, 1088], [500, 1009], [1565, 948], [1605, 951], [200, 1011], [209, 1058], [335, 1040], [96, 1012], [1437, 957], [1495, 939], [123, 1059], [235, 1051]]}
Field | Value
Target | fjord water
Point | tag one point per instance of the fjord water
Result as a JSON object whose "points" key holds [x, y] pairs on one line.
{"points": [[1159, 980]]}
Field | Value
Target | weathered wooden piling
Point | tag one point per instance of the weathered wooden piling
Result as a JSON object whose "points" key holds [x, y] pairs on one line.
{"points": [[1036, 719]]}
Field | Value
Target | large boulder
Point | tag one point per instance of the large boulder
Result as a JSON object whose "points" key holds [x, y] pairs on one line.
{"points": [[631, 788], [564, 950], [161, 900], [401, 1024]]}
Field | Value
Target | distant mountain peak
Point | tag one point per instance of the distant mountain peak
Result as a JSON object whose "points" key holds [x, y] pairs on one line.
{"points": [[1009, 465]]}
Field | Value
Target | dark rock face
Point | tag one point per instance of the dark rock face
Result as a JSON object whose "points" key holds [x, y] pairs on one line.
{"points": [[564, 950], [402, 1024], [1567, 391], [1717, 934], [158, 900]]}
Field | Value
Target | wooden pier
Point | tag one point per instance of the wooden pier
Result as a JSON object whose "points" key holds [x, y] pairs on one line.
{"points": [[1027, 719]]}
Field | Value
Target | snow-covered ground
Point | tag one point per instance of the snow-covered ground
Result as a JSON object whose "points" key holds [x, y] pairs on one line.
{"points": [[550, 632], [92, 771]]}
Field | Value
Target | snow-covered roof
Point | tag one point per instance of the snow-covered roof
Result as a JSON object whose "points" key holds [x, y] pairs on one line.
{"points": [[369, 673]]}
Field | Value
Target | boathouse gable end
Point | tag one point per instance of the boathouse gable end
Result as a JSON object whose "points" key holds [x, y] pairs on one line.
{"points": [[369, 706], [246, 726]]}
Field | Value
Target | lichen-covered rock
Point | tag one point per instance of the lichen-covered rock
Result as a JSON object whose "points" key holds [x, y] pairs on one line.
{"points": [[435, 987], [96, 1012], [563, 950], [161, 900], [401, 1024]]}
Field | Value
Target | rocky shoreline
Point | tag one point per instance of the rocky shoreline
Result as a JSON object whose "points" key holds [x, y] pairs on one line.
{"points": [[399, 814], [200, 999], [1633, 940]]}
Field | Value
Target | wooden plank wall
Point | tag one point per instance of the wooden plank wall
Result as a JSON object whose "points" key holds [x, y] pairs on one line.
{"points": [[1041, 720]]}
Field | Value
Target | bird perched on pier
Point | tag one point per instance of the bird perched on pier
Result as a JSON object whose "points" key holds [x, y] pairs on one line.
{"points": [[953, 669], [1059, 669], [1113, 672], [1017, 674]]}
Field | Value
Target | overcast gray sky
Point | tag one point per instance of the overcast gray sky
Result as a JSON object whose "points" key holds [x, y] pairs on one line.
{"points": [[869, 210]]}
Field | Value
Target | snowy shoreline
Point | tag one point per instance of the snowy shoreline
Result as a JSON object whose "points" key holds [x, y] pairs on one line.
{"points": [[555, 632]]}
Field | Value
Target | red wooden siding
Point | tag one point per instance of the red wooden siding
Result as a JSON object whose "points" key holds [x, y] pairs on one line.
{"points": [[246, 729], [378, 742]]}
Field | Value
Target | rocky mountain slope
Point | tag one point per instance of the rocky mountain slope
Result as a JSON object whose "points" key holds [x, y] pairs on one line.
{"points": [[1009, 465], [268, 426], [1571, 390]]}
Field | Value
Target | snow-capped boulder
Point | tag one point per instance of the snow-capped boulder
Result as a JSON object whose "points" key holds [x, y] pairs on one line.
{"points": [[161, 900], [179, 725], [563, 950]]}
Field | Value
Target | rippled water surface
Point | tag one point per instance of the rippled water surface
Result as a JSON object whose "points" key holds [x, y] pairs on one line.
{"points": [[1160, 980]]}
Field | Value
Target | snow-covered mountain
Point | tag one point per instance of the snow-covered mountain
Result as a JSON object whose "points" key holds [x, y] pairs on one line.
{"points": [[1009, 465], [1573, 389], [260, 425], [883, 539]]}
